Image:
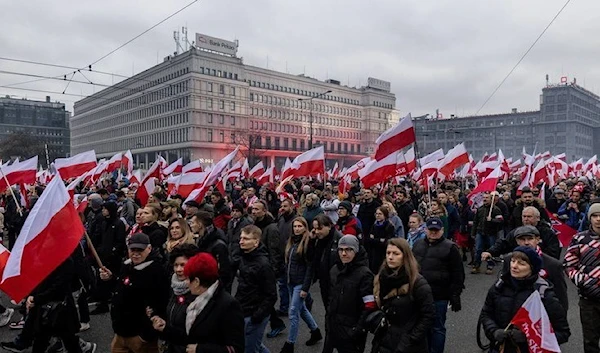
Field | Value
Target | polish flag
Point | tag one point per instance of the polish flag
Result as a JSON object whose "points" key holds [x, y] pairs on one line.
{"points": [[333, 173], [19, 173], [410, 160], [532, 319], [401, 166], [562, 157], [192, 167], [147, 183], [82, 205], [71, 187], [172, 184], [135, 177], [4, 254], [540, 173], [287, 168], [114, 162], [246, 169], [525, 180], [376, 172], [257, 170], [487, 185], [455, 158], [199, 193], [432, 157], [588, 165], [395, 138], [186, 183], [235, 172], [51, 232], [267, 177], [427, 170], [100, 169], [353, 170], [73, 167], [493, 157], [309, 163], [527, 158], [127, 161], [175, 167]]}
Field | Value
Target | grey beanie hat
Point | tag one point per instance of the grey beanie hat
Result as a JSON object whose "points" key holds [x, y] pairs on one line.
{"points": [[594, 208], [349, 241]]}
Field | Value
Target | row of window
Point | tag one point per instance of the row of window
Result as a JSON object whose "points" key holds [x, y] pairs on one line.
{"points": [[383, 105], [209, 88], [210, 105], [302, 92], [221, 119], [286, 115], [147, 140], [218, 73], [268, 142], [296, 129], [140, 88], [152, 110], [294, 103]]}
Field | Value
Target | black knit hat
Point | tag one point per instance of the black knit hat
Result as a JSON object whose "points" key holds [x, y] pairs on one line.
{"points": [[346, 205]]}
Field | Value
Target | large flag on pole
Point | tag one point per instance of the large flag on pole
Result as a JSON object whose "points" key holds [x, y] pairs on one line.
{"points": [[73, 167], [532, 319], [50, 234], [19, 173], [487, 185], [395, 138]]}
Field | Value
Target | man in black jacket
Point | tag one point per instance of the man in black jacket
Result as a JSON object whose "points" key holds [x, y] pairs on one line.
{"points": [[287, 214], [527, 199], [442, 267], [326, 253], [366, 210], [234, 228], [404, 207], [212, 240], [486, 224], [142, 283], [256, 289], [351, 299]]}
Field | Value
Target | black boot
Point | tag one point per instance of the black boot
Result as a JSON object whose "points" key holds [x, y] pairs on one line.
{"points": [[287, 348], [100, 309], [315, 336]]}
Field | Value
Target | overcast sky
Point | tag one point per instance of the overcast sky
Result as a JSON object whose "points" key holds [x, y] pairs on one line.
{"points": [[436, 53]]}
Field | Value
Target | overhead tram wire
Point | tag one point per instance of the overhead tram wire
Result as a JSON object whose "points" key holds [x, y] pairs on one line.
{"points": [[89, 67], [523, 57]]}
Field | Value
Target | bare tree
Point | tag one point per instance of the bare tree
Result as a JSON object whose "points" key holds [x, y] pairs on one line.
{"points": [[20, 144], [251, 144]]}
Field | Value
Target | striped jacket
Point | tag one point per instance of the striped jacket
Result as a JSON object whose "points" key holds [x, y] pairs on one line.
{"points": [[582, 263]]}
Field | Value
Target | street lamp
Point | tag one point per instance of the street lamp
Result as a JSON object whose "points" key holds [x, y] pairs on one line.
{"points": [[310, 141]]}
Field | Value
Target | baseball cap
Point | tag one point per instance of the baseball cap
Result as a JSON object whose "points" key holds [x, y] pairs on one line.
{"points": [[434, 223], [138, 241]]}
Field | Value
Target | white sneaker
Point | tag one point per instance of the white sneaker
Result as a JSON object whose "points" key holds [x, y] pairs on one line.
{"points": [[6, 316], [89, 347], [84, 326]]}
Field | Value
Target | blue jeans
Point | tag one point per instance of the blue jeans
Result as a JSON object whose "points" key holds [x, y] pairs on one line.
{"points": [[298, 309], [254, 336], [482, 243], [437, 335], [284, 294]]}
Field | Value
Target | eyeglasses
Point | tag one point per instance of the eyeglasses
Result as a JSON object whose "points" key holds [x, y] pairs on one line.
{"points": [[345, 250]]}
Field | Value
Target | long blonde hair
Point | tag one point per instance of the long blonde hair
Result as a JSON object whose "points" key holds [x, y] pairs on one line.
{"points": [[303, 246], [187, 236], [410, 265]]}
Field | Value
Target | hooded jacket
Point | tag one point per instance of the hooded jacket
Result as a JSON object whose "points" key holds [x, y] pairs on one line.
{"points": [[270, 238], [214, 242], [256, 291], [138, 287], [111, 244], [325, 257]]}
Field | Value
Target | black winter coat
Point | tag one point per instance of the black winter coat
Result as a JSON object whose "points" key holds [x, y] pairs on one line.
{"points": [[234, 230], [111, 245], [376, 246], [213, 242], [256, 291], [404, 211], [219, 328], [57, 288], [517, 221], [271, 239], [299, 266], [158, 237], [409, 317], [176, 313], [441, 265], [138, 287], [506, 297], [366, 215], [484, 227], [324, 258], [549, 245], [351, 284]]}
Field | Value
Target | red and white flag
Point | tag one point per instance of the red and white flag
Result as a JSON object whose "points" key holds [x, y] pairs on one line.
{"points": [[114, 162], [564, 233], [376, 172], [540, 173], [73, 167], [135, 177], [410, 160], [246, 168], [352, 172], [216, 172], [175, 167], [127, 161], [147, 183], [395, 138], [532, 319], [192, 167], [487, 185], [455, 158], [309, 163], [51, 232], [19, 173], [434, 156], [257, 170], [4, 254]]}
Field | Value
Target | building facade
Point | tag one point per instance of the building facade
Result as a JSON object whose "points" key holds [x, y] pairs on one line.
{"points": [[568, 122], [46, 121], [201, 105]]}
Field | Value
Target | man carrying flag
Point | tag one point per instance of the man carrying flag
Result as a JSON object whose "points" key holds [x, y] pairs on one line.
{"points": [[521, 312]]}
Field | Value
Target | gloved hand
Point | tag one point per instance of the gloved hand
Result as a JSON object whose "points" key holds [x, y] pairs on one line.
{"points": [[518, 336], [455, 303], [500, 335]]}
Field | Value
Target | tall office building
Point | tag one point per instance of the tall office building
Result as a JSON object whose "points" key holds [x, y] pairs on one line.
{"points": [[46, 121], [203, 103], [568, 122]]}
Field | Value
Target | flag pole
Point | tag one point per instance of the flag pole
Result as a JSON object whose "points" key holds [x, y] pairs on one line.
{"points": [[12, 192], [47, 157], [492, 204], [93, 250]]}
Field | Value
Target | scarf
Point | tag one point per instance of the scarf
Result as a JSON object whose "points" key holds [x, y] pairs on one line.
{"points": [[392, 279], [196, 307], [179, 287]]}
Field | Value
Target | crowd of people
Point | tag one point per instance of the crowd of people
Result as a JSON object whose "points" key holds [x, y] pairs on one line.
{"points": [[230, 272]]}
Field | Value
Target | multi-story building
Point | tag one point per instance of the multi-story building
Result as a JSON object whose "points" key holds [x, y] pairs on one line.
{"points": [[568, 122], [46, 121], [201, 104]]}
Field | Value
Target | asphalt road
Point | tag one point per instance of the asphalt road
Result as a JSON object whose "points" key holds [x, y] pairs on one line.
{"points": [[460, 326]]}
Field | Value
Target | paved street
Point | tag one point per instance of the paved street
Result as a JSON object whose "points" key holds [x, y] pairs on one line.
{"points": [[461, 326]]}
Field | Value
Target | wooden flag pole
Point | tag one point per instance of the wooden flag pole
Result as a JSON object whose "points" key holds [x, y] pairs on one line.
{"points": [[93, 250], [12, 192]]}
